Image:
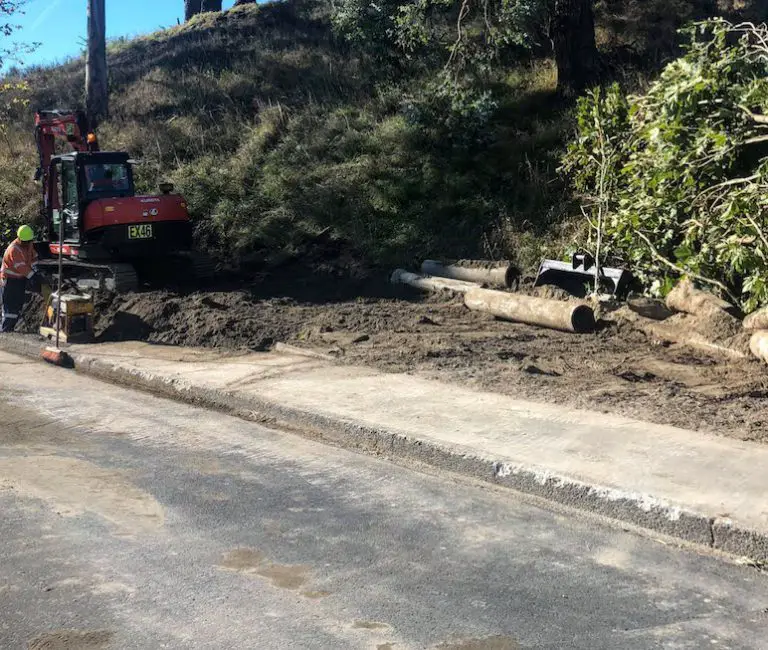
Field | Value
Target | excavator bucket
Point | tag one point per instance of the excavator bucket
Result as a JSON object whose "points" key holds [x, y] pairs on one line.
{"points": [[577, 277]]}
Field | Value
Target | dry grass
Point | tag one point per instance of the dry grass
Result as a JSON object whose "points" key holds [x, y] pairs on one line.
{"points": [[274, 129]]}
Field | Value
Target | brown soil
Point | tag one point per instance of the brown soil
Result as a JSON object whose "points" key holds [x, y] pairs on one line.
{"points": [[361, 319]]}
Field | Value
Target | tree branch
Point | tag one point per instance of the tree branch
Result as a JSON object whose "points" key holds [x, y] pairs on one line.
{"points": [[755, 117], [463, 12], [729, 183], [683, 271], [758, 229]]}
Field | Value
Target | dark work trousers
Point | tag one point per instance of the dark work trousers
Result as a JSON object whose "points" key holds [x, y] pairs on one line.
{"points": [[14, 295]]}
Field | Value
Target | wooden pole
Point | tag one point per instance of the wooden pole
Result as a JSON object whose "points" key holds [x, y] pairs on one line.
{"points": [[674, 333], [96, 76], [191, 8], [554, 314], [498, 275], [758, 345], [757, 320], [686, 298]]}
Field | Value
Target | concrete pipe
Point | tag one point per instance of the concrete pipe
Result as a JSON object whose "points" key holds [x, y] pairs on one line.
{"points": [[555, 314], [497, 275], [401, 276]]}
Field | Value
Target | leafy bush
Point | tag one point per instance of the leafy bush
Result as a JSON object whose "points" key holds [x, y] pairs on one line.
{"points": [[680, 173]]}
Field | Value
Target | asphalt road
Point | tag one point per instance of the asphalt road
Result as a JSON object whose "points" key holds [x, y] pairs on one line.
{"points": [[129, 521]]}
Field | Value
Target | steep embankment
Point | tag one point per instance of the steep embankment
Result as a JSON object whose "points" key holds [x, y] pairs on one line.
{"points": [[274, 128]]}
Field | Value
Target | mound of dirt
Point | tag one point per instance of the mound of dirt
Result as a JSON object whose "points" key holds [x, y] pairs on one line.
{"points": [[216, 319]]}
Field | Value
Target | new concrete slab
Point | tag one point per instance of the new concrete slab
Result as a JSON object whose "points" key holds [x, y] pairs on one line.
{"points": [[700, 488]]}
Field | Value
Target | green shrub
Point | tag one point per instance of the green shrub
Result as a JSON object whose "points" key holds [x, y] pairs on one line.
{"points": [[684, 185]]}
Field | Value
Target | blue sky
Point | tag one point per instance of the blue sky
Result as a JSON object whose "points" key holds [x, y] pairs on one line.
{"points": [[59, 25]]}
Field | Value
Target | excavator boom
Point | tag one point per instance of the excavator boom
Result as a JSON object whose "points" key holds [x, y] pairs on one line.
{"points": [[60, 126]]}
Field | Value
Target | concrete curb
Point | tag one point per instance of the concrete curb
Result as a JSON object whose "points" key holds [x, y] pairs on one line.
{"points": [[638, 509]]}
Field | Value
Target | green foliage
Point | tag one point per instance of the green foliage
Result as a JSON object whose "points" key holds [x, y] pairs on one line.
{"points": [[471, 34], [686, 181], [366, 23], [19, 195], [14, 102], [457, 113]]}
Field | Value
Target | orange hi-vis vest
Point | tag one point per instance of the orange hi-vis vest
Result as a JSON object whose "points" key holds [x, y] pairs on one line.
{"points": [[18, 261]]}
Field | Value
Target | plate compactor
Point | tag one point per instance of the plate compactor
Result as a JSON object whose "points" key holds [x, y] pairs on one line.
{"points": [[75, 312]]}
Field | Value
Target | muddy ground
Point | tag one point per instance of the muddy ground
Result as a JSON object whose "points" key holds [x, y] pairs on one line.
{"points": [[360, 318]]}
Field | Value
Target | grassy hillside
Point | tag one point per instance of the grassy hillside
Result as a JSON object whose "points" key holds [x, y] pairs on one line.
{"points": [[275, 130]]}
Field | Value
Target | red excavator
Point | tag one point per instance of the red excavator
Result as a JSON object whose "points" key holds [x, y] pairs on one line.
{"points": [[111, 235]]}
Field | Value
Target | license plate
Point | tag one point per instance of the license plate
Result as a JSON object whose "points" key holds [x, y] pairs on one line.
{"points": [[144, 231]]}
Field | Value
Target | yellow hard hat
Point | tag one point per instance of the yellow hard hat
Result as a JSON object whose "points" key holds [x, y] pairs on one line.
{"points": [[26, 233]]}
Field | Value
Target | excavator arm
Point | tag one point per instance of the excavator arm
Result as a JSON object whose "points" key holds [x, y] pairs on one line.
{"points": [[51, 127]]}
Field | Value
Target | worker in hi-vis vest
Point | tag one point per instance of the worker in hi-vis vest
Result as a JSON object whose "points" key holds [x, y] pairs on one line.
{"points": [[19, 267]]}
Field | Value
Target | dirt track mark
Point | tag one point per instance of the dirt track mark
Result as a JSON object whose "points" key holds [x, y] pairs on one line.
{"points": [[72, 640], [283, 576], [24, 427], [75, 486], [369, 625], [244, 560], [487, 643]]}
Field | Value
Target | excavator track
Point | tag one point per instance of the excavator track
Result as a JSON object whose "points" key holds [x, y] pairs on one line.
{"points": [[115, 278], [182, 268], [200, 267], [178, 269]]}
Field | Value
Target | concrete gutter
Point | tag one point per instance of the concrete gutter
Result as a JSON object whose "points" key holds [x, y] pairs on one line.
{"points": [[679, 483]]}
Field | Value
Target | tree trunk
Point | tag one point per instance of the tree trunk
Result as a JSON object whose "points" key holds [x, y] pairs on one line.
{"points": [[573, 38], [211, 5], [192, 8], [690, 300], [96, 80], [555, 314]]}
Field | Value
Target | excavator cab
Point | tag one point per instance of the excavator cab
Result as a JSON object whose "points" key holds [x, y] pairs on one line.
{"points": [[78, 179]]}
